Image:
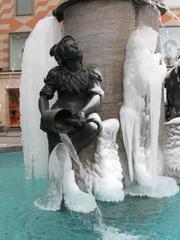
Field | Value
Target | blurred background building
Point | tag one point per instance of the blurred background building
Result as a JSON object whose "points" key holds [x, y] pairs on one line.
{"points": [[170, 33], [18, 18]]}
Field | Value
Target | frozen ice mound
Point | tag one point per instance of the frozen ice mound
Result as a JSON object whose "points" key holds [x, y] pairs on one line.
{"points": [[162, 186]]}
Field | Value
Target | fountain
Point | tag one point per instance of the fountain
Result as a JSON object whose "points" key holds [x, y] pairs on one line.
{"points": [[104, 29]]}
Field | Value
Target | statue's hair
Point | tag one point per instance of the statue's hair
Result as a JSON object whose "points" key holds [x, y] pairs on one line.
{"points": [[57, 51]]}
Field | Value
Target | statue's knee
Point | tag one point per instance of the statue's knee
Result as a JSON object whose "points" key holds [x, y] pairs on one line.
{"points": [[93, 127]]}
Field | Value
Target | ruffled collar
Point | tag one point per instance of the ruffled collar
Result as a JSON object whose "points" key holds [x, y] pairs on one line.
{"points": [[75, 82]]}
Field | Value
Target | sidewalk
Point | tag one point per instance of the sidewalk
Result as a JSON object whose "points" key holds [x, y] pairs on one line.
{"points": [[10, 141]]}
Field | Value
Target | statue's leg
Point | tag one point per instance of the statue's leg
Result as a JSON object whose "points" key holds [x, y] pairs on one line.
{"points": [[84, 135], [53, 140]]}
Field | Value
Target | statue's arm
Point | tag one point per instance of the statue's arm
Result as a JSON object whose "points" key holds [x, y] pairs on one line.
{"points": [[48, 90], [96, 94], [43, 103], [47, 93], [91, 104]]}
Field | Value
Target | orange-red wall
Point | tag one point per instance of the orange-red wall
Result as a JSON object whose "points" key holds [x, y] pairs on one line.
{"points": [[10, 23]]}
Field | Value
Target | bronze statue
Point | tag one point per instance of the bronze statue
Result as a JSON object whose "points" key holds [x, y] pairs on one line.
{"points": [[79, 92], [172, 85]]}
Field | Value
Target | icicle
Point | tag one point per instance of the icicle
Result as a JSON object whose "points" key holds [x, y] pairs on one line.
{"points": [[36, 63]]}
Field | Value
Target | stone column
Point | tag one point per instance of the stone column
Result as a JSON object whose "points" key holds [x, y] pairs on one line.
{"points": [[102, 29]]}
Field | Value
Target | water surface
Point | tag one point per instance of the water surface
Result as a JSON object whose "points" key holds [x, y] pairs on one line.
{"points": [[152, 219]]}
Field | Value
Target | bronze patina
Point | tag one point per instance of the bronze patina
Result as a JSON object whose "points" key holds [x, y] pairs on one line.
{"points": [[79, 92]]}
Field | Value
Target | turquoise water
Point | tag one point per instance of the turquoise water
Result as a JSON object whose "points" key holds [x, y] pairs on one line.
{"points": [[152, 219]]}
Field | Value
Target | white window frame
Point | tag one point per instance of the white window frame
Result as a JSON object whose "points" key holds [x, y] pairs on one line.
{"points": [[25, 13], [170, 44], [14, 58]]}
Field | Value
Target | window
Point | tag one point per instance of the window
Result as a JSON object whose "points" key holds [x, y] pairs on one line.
{"points": [[17, 42], [170, 44], [24, 7]]}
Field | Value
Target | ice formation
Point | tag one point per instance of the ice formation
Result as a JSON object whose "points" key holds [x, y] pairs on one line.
{"points": [[106, 172], [143, 75], [36, 63], [103, 178], [172, 146], [144, 72], [62, 185]]}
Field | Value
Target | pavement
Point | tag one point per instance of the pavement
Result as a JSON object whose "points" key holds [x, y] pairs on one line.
{"points": [[10, 140]]}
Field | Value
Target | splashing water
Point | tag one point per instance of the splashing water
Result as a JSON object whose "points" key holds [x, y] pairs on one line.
{"points": [[109, 232], [144, 73]]}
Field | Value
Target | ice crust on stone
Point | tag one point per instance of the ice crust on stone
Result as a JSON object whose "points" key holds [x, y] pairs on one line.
{"points": [[35, 66], [106, 172], [172, 146], [144, 72]]}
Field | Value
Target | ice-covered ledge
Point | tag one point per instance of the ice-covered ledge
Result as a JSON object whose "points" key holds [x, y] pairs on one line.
{"points": [[59, 11]]}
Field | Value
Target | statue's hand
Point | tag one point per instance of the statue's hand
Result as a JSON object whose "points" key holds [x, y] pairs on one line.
{"points": [[81, 117], [74, 122]]}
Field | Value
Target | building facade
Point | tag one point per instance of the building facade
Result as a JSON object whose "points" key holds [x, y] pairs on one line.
{"points": [[17, 19]]}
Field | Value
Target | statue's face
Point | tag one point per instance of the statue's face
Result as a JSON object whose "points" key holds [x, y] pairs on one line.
{"points": [[72, 50]]}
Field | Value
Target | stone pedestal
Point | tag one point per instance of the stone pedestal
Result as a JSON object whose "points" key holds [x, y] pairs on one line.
{"points": [[172, 149], [102, 29]]}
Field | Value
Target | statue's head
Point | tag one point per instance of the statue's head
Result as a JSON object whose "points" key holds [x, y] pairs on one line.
{"points": [[66, 49]]}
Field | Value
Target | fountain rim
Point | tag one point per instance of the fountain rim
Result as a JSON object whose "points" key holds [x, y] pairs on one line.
{"points": [[59, 11]]}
